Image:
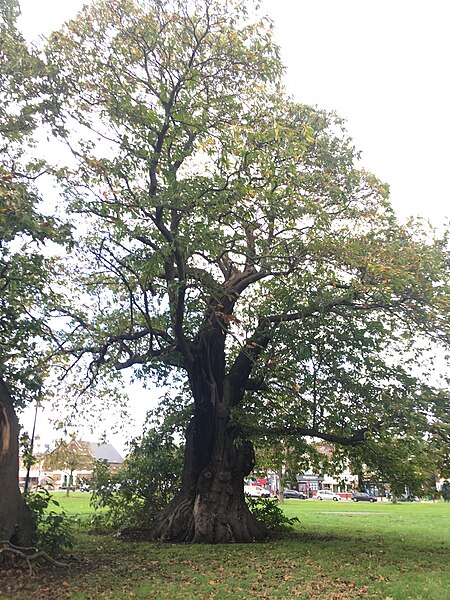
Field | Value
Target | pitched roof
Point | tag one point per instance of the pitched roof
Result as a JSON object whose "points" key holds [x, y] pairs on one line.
{"points": [[105, 452], [96, 451]]}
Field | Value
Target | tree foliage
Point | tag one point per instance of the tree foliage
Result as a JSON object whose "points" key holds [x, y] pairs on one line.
{"points": [[26, 269], [147, 481], [54, 528], [26, 298]]}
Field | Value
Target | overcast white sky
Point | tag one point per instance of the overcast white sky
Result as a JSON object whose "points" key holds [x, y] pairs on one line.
{"points": [[383, 65]]}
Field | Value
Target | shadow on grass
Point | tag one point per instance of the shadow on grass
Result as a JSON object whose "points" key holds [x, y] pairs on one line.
{"points": [[312, 537]]}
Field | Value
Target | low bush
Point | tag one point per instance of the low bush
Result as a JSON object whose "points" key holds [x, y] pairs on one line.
{"points": [[54, 529], [144, 485], [268, 511]]}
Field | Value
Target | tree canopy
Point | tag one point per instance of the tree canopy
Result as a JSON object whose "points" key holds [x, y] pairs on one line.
{"points": [[229, 235], [26, 298]]}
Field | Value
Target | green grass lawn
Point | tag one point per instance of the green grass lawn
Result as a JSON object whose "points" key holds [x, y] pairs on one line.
{"points": [[77, 503], [338, 551]]}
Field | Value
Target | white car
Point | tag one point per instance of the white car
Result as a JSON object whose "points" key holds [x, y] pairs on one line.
{"points": [[256, 491], [327, 495]]}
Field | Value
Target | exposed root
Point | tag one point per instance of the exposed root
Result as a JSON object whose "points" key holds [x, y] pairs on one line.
{"points": [[28, 554]]}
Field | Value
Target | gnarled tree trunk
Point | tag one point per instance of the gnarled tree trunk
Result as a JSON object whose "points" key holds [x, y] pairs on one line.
{"points": [[16, 523], [211, 507]]}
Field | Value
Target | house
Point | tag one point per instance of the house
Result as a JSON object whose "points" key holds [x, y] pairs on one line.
{"points": [[69, 461], [109, 453]]}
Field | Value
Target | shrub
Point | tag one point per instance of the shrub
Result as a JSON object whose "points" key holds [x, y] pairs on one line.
{"points": [[144, 485], [268, 511], [54, 530]]}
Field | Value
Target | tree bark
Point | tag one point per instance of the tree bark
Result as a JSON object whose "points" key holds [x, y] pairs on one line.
{"points": [[69, 483], [280, 486], [211, 507], [16, 523]]}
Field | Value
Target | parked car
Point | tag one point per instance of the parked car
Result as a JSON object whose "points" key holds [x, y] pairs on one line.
{"points": [[294, 494], [256, 491], [363, 497], [327, 495]]}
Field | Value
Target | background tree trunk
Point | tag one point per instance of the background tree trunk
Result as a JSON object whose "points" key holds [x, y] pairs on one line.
{"points": [[280, 493], [69, 483], [16, 523]]}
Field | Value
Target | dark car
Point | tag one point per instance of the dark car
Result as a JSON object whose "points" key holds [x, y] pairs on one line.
{"points": [[294, 494], [363, 497]]}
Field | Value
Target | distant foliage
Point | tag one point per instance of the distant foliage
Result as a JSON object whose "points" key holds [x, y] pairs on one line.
{"points": [[54, 529], [144, 485]]}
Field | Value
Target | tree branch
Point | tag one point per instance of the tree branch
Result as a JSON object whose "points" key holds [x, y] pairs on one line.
{"points": [[353, 440]]}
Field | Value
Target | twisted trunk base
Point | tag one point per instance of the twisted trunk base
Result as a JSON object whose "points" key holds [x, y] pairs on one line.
{"points": [[215, 517], [211, 506]]}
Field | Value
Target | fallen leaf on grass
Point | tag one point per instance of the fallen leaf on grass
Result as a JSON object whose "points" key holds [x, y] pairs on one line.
{"points": [[350, 584]]}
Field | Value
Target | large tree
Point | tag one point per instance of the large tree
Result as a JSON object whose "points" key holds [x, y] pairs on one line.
{"points": [[230, 237], [25, 297]]}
